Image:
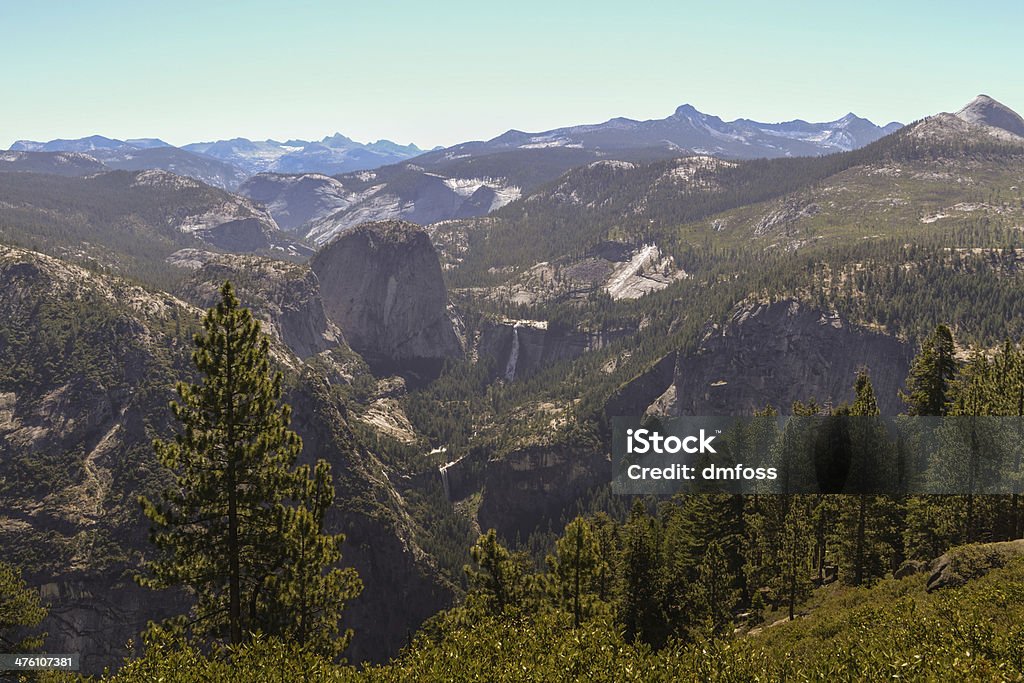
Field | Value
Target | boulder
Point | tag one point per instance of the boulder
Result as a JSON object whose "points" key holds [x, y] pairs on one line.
{"points": [[909, 568], [959, 565]]}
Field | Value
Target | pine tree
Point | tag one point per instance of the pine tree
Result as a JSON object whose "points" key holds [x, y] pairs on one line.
{"points": [[864, 405], [713, 594], [864, 401], [239, 514], [20, 613], [868, 541], [793, 583], [930, 375], [498, 583], [576, 569], [306, 602], [641, 591], [977, 449], [930, 386]]}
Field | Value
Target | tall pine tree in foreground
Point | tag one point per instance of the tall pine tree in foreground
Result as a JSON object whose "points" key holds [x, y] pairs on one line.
{"points": [[241, 527]]}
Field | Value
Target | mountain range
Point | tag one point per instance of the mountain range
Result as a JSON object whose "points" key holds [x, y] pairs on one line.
{"points": [[688, 130], [228, 163], [476, 178], [322, 188], [333, 154]]}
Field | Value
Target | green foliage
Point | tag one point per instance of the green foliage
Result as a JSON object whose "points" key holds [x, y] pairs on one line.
{"points": [[21, 611], [893, 630], [498, 579], [172, 659], [928, 384], [241, 528], [639, 602], [713, 594], [579, 573], [304, 604]]}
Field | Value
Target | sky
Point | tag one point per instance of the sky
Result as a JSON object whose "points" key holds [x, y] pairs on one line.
{"points": [[438, 73]]}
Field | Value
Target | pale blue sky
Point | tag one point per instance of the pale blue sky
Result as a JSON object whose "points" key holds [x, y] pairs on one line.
{"points": [[436, 73]]}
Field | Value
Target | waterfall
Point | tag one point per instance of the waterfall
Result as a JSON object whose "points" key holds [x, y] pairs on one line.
{"points": [[513, 356], [444, 481]]}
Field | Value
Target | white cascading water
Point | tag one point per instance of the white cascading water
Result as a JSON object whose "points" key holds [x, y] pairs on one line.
{"points": [[444, 481], [513, 356]]}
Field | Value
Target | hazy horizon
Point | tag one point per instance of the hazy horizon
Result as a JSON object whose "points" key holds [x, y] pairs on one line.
{"points": [[439, 75]]}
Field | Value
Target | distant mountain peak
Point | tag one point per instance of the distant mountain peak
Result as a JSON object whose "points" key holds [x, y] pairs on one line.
{"points": [[986, 111], [147, 143], [337, 140], [86, 144], [687, 110]]}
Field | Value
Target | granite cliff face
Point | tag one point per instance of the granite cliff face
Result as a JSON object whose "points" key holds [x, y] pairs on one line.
{"points": [[284, 296], [381, 283], [520, 348], [779, 353], [643, 392], [762, 353], [534, 485], [89, 362]]}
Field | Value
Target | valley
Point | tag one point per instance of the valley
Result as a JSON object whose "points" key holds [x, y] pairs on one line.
{"points": [[457, 328]]}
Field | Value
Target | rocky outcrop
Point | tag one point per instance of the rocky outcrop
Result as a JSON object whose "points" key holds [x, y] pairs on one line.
{"points": [[411, 193], [783, 352], [536, 484], [224, 221], [98, 614], [284, 296], [245, 235], [910, 568], [635, 397], [381, 283], [985, 111], [960, 565]]}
